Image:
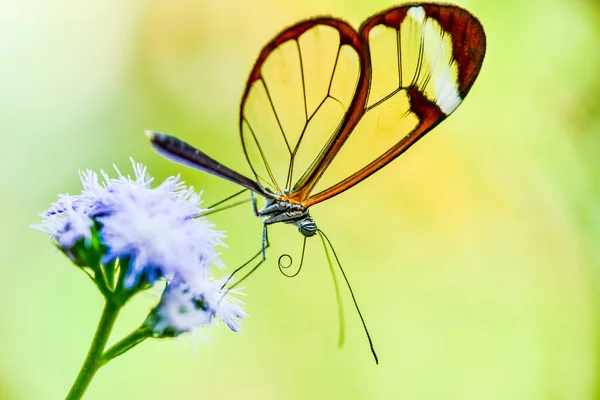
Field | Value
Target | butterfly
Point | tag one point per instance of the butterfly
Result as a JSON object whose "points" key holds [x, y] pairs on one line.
{"points": [[326, 106]]}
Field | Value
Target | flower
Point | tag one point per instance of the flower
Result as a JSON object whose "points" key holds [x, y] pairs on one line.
{"points": [[65, 222], [185, 306], [157, 232]]}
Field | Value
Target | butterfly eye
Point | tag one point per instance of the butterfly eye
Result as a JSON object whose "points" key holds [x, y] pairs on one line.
{"points": [[307, 227]]}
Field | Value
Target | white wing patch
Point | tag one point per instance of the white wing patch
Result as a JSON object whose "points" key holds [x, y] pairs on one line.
{"points": [[437, 72]]}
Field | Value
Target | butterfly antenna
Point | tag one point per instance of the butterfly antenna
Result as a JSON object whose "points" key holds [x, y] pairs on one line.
{"points": [[353, 297], [283, 267], [338, 295]]}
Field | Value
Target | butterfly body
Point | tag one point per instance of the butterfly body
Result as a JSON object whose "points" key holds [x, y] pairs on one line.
{"points": [[278, 208], [283, 210]]}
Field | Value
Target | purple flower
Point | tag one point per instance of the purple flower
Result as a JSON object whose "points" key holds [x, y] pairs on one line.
{"points": [[185, 306], [157, 232], [65, 222]]}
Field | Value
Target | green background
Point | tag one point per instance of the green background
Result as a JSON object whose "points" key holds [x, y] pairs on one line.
{"points": [[474, 256]]}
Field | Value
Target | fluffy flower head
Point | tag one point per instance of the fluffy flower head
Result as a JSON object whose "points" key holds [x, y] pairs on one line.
{"points": [[157, 231], [185, 306]]}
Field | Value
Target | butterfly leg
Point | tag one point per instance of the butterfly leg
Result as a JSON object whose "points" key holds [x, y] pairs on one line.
{"points": [[224, 204], [263, 251], [265, 241], [254, 207]]}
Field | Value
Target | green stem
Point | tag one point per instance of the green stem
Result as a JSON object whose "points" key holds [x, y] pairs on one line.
{"points": [[92, 360], [133, 339]]}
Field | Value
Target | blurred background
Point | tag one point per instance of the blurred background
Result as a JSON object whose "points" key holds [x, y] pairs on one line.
{"points": [[473, 256]]}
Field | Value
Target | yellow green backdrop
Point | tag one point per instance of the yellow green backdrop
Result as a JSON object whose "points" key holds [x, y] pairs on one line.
{"points": [[473, 256]]}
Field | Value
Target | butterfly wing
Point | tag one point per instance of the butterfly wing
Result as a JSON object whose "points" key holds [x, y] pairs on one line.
{"points": [[326, 106], [425, 58], [297, 100]]}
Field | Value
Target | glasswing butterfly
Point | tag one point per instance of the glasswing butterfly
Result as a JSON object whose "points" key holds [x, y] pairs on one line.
{"points": [[326, 106]]}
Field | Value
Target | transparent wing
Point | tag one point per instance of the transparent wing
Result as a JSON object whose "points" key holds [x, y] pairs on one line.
{"points": [[297, 100], [424, 60]]}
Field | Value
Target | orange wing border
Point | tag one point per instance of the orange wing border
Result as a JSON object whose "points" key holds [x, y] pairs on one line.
{"points": [[348, 36], [468, 49]]}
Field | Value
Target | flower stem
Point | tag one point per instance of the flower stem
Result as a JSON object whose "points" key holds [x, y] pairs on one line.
{"points": [[92, 360], [133, 339]]}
